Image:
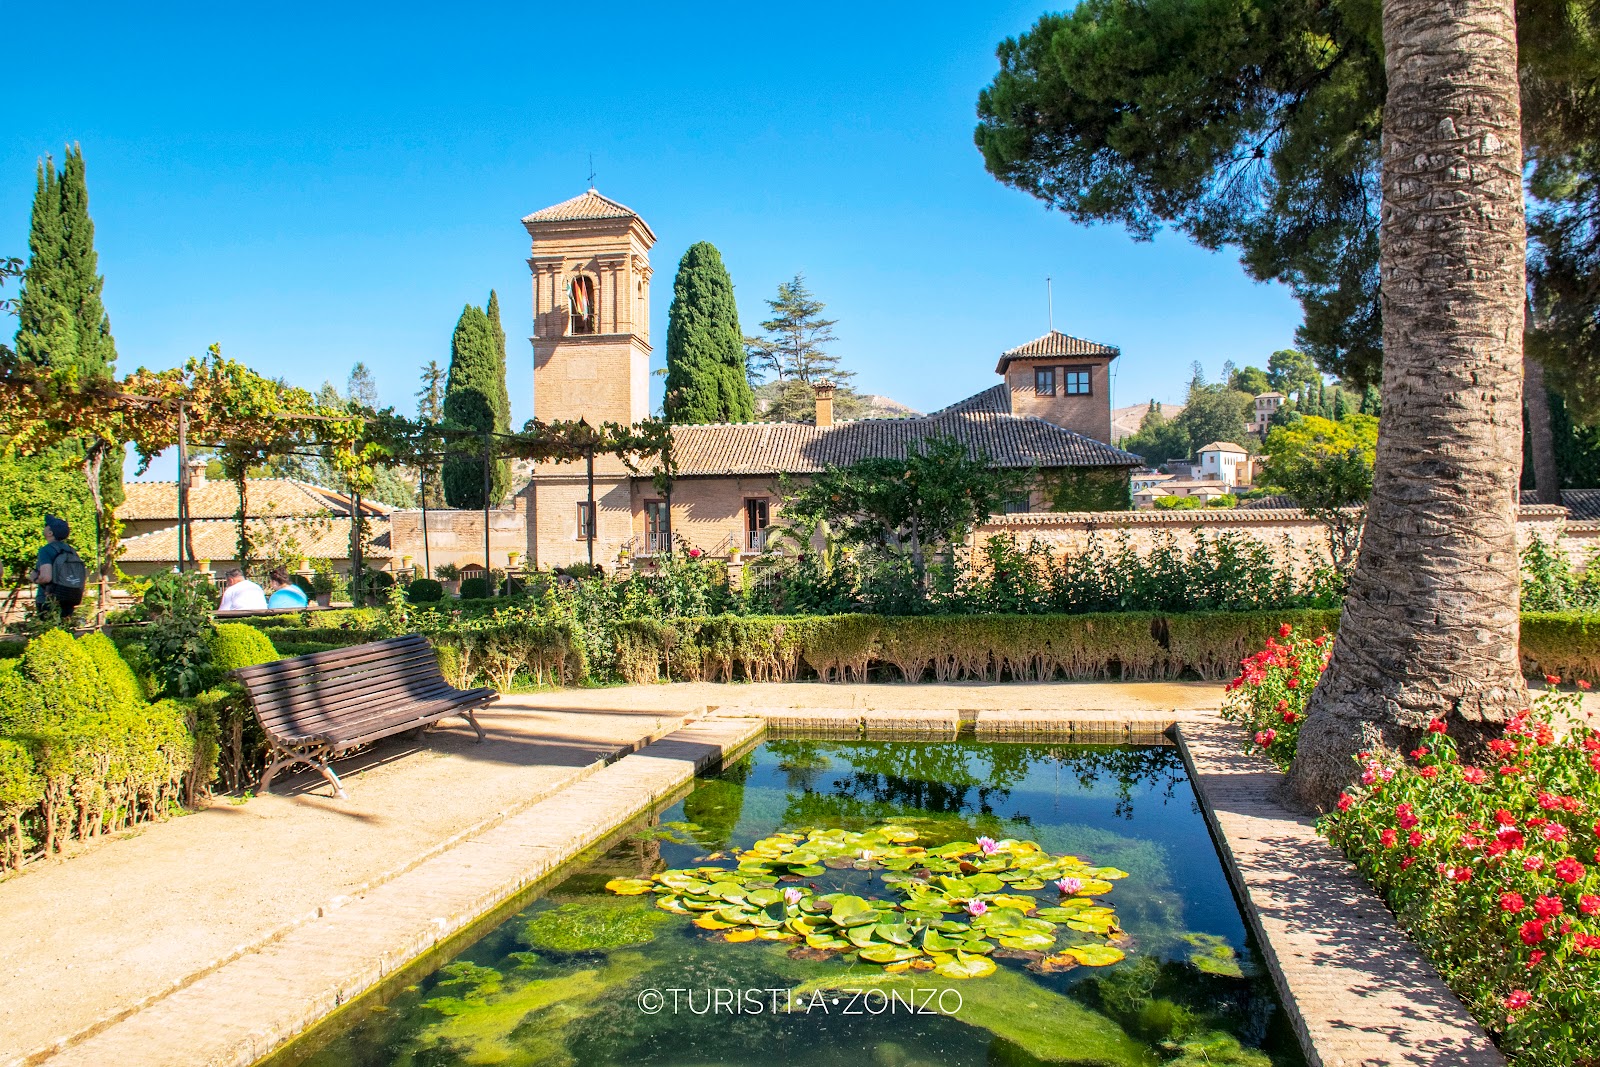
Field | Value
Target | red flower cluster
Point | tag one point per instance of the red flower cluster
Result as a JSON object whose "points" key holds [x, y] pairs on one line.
{"points": [[1269, 696]]}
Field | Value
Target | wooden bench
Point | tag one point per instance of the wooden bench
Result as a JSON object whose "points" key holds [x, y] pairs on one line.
{"points": [[318, 707]]}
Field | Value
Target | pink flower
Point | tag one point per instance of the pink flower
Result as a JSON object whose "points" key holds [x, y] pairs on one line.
{"points": [[1548, 801], [1519, 999], [1068, 886], [791, 896], [976, 908], [987, 845], [1345, 800], [1534, 862], [1474, 775], [1554, 832]]}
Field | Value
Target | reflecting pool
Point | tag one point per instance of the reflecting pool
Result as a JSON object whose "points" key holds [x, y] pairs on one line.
{"points": [[759, 952]]}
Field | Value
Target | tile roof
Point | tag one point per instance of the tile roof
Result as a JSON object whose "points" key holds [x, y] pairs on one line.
{"points": [[1056, 343], [1222, 446], [804, 448], [1583, 505], [277, 497], [216, 539], [586, 205]]}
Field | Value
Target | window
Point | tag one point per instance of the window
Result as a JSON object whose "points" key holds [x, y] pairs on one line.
{"points": [[657, 526], [757, 518], [581, 304], [584, 525], [1077, 381], [1044, 381], [1017, 505]]}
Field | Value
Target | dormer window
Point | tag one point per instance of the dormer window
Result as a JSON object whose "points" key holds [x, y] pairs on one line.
{"points": [[1044, 381], [581, 306]]}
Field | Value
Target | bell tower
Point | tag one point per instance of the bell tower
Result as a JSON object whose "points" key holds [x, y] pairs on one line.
{"points": [[591, 311]]}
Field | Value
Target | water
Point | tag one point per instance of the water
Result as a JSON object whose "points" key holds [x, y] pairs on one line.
{"points": [[585, 977]]}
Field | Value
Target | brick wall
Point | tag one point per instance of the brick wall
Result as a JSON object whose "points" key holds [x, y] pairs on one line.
{"points": [[457, 536], [1089, 415]]}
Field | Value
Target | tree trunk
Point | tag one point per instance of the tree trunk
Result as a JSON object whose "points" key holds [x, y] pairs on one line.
{"points": [[1430, 624], [1541, 442]]}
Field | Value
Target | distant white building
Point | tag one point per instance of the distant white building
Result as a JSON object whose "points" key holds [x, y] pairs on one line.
{"points": [[1225, 462], [1206, 490], [1267, 405], [1146, 478]]}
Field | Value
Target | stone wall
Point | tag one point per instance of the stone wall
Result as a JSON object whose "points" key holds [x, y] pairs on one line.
{"points": [[457, 536], [1070, 532]]}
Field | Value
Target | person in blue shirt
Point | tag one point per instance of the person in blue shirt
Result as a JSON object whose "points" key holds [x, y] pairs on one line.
{"points": [[282, 592]]}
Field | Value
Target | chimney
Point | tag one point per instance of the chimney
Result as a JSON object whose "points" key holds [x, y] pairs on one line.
{"points": [[824, 392], [197, 473]]}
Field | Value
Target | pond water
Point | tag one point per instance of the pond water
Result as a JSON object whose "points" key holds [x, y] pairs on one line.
{"points": [[587, 977]]}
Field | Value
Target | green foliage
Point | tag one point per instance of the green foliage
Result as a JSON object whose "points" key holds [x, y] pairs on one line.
{"points": [[1252, 380], [706, 375], [1291, 371], [1326, 468], [1549, 582], [909, 506], [424, 591], [81, 751], [1565, 644], [475, 399], [31, 488], [235, 644], [177, 635], [592, 925], [474, 588], [1159, 439], [1212, 412], [1086, 489]]}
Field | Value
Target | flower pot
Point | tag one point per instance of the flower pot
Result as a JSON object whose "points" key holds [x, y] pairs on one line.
{"points": [[324, 599]]}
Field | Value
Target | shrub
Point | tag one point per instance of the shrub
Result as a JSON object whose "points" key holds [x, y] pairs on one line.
{"points": [[1269, 696], [1561, 643], [475, 589], [1493, 870], [425, 591], [235, 645]]}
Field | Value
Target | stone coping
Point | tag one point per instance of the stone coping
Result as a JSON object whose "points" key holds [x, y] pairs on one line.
{"points": [[1357, 991]]}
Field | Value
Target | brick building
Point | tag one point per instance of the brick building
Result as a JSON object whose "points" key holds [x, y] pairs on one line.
{"points": [[590, 265]]}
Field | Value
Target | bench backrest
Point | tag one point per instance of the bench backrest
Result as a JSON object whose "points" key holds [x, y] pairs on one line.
{"points": [[299, 695]]}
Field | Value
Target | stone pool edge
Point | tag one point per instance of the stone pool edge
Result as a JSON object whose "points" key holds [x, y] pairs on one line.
{"points": [[252, 1006]]}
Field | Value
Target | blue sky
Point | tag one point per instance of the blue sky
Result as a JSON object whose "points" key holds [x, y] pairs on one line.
{"points": [[311, 187]]}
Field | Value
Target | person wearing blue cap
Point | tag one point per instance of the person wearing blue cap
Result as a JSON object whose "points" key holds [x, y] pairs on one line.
{"points": [[58, 574]]}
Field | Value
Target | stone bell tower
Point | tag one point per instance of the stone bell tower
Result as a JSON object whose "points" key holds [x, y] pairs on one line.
{"points": [[591, 311], [591, 360]]}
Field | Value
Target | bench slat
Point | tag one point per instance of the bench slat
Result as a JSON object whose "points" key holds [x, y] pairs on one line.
{"points": [[359, 731], [292, 720], [330, 689], [315, 662]]}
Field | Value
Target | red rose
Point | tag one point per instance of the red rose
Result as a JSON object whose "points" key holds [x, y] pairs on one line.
{"points": [[1532, 932], [1511, 902], [1474, 775], [1345, 800], [1547, 907], [1389, 838], [1408, 861], [1429, 772], [1504, 817], [1293, 683], [1519, 999], [1437, 726], [1289, 716], [1548, 801], [1285, 630], [1585, 942], [1589, 904], [1462, 874], [1281, 706], [1568, 870], [1533, 863], [1415, 839], [1583, 685], [1534, 957], [1552, 679], [1264, 738]]}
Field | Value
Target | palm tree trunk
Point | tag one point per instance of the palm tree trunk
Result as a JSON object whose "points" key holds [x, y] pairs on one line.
{"points": [[1541, 441], [1430, 624]]}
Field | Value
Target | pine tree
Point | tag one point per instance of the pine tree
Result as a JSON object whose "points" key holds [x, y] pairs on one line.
{"points": [[797, 336], [471, 401], [707, 380], [430, 398], [360, 386]]}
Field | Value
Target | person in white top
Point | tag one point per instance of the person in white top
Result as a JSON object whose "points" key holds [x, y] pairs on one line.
{"points": [[240, 593]]}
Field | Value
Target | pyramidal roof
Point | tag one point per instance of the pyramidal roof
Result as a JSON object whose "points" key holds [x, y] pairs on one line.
{"points": [[586, 205], [1056, 343]]}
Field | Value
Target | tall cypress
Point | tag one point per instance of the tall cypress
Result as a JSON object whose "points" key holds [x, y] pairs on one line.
{"points": [[706, 377], [503, 404], [471, 401], [45, 325]]}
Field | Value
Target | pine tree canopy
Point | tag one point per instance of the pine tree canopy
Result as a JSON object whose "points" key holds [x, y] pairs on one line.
{"points": [[797, 338], [706, 374], [1256, 125], [472, 401]]}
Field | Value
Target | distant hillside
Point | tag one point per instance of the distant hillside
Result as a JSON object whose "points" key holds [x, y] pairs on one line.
{"points": [[875, 407], [1125, 421]]}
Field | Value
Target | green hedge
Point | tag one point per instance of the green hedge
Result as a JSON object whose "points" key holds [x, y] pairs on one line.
{"points": [[1561, 643], [84, 752], [283, 636]]}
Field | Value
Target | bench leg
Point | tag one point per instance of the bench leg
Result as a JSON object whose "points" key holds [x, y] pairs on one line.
{"points": [[473, 719], [316, 756], [333, 779]]}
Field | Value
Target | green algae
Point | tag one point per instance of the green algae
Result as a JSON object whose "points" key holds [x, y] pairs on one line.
{"points": [[1213, 955], [593, 924]]}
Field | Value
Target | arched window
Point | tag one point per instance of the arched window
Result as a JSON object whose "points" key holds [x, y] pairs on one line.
{"points": [[581, 304]]}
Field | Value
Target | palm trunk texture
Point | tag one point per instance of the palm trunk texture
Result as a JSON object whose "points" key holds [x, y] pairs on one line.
{"points": [[1431, 620]]}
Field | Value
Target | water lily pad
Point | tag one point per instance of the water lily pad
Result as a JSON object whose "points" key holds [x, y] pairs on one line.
{"points": [[895, 933], [630, 887], [954, 848], [672, 904], [853, 911], [1095, 955], [711, 922], [1036, 942], [934, 941], [736, 936], [1101, 926], [762, 897], [825, 941], [1060, 914], [1030, 883], [966, 966], [862, 936], [1061, 961], [1109, 873], [1022, 904], [775, 935], [888, 953], [810, 871]]}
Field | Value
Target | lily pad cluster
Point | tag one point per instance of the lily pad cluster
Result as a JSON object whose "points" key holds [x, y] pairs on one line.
{"points": [[949, 908]]}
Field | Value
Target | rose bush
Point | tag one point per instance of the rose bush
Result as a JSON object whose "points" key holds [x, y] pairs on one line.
{"points": [[1269, 696], [1495, 870]]}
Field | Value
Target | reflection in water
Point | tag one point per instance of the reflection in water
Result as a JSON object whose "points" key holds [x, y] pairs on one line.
{"points": [[561, 983]]}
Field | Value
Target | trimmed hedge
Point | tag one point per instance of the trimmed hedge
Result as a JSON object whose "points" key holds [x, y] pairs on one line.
{"points": [[1132, 646], [424, 591], [1563, 643]]}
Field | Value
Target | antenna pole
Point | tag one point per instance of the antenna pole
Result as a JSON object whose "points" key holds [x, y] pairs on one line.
{"points": [[591, 170], [1050, 301]]}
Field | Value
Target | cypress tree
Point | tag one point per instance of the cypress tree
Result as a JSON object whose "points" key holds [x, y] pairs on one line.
{"points": [[471, 401], [706, 376], [45, 325], [497, 331], [81, 282]]}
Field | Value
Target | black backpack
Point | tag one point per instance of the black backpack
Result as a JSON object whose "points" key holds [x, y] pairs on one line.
{"points": [[68, 576]]}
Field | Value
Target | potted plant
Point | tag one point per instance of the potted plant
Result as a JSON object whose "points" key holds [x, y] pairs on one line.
{"points": [[450, 575], [511, 559], [322, 584]]}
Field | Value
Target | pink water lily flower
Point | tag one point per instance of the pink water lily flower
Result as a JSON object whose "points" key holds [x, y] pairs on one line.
{"points": [[1069, 886], [791, 896], [987, 845], [866, 855], [976, 908]]}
